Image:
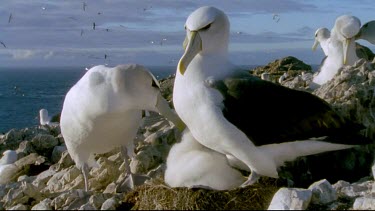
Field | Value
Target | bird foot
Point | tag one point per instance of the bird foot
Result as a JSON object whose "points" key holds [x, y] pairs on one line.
{"points": [[253, 178]]}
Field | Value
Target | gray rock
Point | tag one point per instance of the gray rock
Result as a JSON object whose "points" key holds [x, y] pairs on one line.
{"points": [[19, 207], [41, 180], [110, 204], [25, 148], [11, 140], [107, 172], [339, 185], [72, 199], [57, 153], [45, 204], [44, 143], [25, 178], [97, 200], [65, 161], [322, 192], [154, 151], [111, 188], [87, 206], [364, 203], [357, 189], [291, 199]]}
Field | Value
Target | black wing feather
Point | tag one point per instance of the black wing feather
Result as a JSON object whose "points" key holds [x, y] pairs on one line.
{"points": [[270, 113]]}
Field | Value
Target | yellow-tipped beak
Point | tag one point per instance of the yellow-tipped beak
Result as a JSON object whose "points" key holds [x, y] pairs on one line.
{"points": [[316, 43], [346, 48], [192, 46]]}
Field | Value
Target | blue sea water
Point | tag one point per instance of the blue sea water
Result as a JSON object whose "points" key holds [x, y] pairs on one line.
{"points": [[24, 91]]}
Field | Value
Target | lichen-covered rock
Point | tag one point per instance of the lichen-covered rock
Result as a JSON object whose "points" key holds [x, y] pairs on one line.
{"points": [[322, 192], [352, 93], [290, 65], [44, 143], [291, 199]]}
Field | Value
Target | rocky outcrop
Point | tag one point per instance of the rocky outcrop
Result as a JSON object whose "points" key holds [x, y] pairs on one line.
{"points": [[276, 69]]}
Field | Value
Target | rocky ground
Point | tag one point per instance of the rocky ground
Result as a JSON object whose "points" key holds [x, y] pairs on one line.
{"points": [[45, 177]]}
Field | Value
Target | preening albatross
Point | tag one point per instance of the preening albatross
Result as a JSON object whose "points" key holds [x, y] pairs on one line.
{"points": [[232, 112], [103, 110], [342, 46]]}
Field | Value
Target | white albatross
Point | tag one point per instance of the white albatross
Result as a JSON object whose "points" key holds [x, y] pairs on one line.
{"points": [[103, 110], [232, 112], [7, 167], [45, 119], [342, 46], [190, 164], [322, 37]]}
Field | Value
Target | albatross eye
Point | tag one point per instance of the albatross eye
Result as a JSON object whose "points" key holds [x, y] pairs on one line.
{"points": [[206, 27]]}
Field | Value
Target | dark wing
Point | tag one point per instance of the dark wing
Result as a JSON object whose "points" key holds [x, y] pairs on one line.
{"points": [[364, 52], [270, 113]]}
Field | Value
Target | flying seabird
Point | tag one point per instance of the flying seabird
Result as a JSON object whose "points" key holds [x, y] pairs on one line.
{"points": [[3, 44], [103, 110], [342, 46], [232, 112], [190, 164]]}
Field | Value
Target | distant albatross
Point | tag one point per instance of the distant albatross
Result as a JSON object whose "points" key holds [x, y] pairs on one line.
{"points": [[342, 46], [232, 112], [322, 36], [103, 110]]}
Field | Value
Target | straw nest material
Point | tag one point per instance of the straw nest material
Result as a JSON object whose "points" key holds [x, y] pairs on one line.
{"points": [[158, 195]]}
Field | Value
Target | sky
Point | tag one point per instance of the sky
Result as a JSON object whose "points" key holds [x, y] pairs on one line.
{"points": [[44, 33]]}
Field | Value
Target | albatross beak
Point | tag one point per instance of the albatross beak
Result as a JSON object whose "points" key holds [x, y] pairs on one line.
{"points": [[316, 43], [193, 46], [346, 48], [164, 109]]}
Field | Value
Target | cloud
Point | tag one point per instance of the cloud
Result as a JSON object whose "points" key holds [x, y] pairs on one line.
{"points": [[22, 54]]}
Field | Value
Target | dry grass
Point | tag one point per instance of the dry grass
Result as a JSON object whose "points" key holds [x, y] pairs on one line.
{"points": [[158, 196]]}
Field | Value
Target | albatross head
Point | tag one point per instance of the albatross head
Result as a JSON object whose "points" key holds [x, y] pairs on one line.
{"points": [[346, 28], [320, 35], [207, 31]]}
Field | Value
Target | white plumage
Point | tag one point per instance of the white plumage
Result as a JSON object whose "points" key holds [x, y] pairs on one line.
{"points": [[45, 119], [322, 37], [103, 110], [7, 167], [190, 164], [342, 46], [199, 100]]}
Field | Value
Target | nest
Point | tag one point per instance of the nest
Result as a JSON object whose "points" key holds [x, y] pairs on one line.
{"points": [[158, 196]]}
